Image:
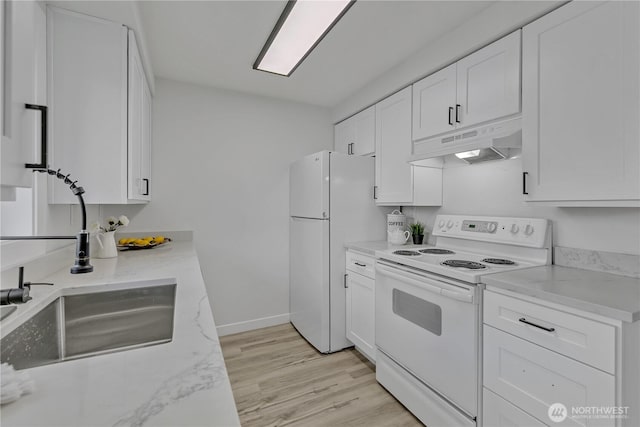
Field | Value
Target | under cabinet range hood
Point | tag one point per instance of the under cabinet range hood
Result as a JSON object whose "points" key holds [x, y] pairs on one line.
{"points": [[490, 141]]}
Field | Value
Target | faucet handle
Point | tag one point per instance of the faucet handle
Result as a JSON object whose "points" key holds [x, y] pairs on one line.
{"points": [[27, 285], [18, 295]]}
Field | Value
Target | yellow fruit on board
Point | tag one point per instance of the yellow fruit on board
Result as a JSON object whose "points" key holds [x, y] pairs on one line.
{"points": [[159, 239], [141, 242], [123, 241]]}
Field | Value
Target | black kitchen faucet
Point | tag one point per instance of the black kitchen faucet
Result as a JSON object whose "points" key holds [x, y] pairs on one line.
{"points": [[82, 261]]}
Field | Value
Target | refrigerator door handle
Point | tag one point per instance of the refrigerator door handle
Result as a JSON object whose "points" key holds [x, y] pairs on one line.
{"points": [[345, 280]]}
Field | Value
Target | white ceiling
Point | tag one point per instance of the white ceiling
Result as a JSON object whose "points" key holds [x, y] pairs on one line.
{"points": [[215, 43]]}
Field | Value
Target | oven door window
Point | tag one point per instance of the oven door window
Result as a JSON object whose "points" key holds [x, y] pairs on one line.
{"points": [[423, 313]]}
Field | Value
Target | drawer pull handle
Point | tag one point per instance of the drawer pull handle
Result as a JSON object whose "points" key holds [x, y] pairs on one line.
{"points": [[360, 265], [523, 320]]}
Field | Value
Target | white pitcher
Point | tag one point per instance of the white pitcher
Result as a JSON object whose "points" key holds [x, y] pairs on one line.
{"points": [[106, 245], [398, 237]]}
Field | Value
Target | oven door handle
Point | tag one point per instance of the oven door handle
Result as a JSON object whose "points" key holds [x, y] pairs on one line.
{"points": [[457, 295], [422, 284], [387, 272]]}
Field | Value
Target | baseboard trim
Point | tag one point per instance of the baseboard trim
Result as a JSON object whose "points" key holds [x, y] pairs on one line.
{"points": [[250, 325]]}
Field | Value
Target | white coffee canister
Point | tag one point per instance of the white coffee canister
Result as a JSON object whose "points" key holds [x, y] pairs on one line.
{"points": [[396, 222]]}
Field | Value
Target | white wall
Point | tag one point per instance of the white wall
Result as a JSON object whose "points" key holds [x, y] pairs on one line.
{"points": [[221, 168], [495, 188]]}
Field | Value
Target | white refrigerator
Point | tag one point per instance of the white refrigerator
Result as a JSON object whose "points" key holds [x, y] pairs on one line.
{"points": [[331, 202]]}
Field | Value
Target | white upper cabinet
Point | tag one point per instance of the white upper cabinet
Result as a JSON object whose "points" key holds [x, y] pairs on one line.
{"points": [[356, 135], [23, 81], [139, 126], [99, 109], [395, 178], [581, 105], [434, 99], [488, 82], [481, 87]]}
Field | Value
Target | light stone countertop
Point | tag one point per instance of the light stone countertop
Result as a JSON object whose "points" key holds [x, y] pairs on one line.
{"points": [[609, 295], [180, 383]]}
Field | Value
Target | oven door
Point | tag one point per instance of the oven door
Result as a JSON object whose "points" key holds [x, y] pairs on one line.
{"points": [[429, 326]]}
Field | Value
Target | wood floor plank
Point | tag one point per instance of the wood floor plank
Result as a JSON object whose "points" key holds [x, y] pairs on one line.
{"points": [[279, 379]]}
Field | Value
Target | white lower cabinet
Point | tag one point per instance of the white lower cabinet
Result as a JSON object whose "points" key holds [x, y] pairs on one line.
{"points": [[534, 378], [538, 358], [360, 293]]}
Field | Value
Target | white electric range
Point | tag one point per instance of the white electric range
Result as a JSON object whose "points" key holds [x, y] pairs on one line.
{"points": [[428, 307]]}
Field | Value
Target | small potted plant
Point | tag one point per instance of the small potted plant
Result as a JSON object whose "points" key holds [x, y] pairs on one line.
{"points": [[417, 231]]}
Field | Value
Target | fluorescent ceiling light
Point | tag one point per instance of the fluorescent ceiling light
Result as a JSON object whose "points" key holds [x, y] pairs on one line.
{"points": [[301, 26]]}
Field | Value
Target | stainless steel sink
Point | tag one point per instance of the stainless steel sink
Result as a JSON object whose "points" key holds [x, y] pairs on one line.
{"points": [[89, 324]]}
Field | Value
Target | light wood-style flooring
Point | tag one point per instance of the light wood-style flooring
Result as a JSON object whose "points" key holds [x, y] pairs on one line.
{"points": [[278, 379]]}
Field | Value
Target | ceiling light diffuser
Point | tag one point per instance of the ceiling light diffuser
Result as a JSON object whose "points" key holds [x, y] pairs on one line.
{"points": [[301, 26]]}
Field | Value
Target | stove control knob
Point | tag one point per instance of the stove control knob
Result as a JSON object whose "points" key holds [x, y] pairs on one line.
{"points": [[528, 229], [441, 223], [514, 228], [449, 224], [492, 227]]}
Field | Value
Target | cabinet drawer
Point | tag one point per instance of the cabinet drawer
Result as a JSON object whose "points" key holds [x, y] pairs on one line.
{"points": [[361, 264], [533, 378], [582, 339], [497, 412]]}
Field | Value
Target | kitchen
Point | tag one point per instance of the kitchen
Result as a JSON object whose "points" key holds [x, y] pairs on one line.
{"points": [[221, 153]]}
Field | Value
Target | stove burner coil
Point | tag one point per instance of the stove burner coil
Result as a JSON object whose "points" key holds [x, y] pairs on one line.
{"points": [[436, 251], [459, 263], [499, 261], [406, 253]]}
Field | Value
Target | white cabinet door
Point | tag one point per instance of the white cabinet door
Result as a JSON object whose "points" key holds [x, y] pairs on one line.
{"points": [[434, 99], [581, 103], [139, 126], [343, 136], [87, 76], [356, 135], [100, 109], [488, 82], [147, 136], [397, 182], [394, 176], [361, 313], [365, 127], [23, 82]]}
